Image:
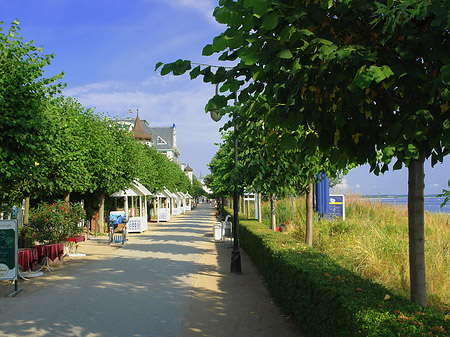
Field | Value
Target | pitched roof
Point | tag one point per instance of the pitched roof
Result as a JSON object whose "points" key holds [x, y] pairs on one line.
{"points": [[138, 130], [188, 168], [166, 134]]}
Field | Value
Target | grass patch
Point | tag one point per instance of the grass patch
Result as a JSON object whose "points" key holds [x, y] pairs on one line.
{"points": [[373, 243]]}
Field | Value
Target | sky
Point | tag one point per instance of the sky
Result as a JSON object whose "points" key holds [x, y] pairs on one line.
{"points": [[108, 50]]}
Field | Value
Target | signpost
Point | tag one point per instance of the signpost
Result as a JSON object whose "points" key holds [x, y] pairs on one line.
{"points": [[9, 252], [337, 206]]}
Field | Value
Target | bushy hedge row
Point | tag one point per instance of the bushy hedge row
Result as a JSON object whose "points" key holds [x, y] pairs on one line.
{"points": [[328, 300]]}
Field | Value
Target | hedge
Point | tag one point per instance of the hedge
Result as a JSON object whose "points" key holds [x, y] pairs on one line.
{"points": [[326, 299]]}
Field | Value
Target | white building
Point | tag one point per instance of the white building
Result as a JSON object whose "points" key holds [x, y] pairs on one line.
{"points": [[163, 139]]}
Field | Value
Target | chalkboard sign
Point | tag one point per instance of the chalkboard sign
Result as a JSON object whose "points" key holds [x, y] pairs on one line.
{"points": [[8, 249]]}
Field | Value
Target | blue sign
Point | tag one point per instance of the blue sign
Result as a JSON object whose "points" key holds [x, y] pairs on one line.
{"points": [[337, 206]]}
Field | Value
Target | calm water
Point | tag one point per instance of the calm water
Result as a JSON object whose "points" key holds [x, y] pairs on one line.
{"points": [[431, 204]]}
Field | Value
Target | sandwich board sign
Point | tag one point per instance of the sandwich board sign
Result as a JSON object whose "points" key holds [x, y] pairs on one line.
{"points": [[8, 250]]}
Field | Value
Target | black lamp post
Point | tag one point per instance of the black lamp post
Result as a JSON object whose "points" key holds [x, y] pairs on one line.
{"points": [[235, 254]]}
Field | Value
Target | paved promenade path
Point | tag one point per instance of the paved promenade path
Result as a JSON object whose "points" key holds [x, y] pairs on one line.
{"points": [[171, 280]]}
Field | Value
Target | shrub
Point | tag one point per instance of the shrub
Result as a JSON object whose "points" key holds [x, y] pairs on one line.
{"points": [[54, 222], [26, 236], [325, 297]]}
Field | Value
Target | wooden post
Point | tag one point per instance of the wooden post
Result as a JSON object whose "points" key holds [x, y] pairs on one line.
{"points": [[273, 218], [248, 209], [101, 211], [259, 208], [27, 211], [309, 215]]}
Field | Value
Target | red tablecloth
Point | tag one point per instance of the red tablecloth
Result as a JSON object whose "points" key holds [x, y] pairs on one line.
{"points": [[27, 258], [76, 239], [52, 251]]}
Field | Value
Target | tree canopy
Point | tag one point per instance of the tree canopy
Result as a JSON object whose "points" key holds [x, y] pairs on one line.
{"points": [[51, 145], [369, 78]]}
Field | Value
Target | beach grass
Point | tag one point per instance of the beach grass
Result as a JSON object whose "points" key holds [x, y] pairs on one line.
{"points": [[373, 242]]}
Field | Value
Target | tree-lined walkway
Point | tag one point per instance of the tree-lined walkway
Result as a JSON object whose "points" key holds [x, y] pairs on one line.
{"points": [[164, 282]]}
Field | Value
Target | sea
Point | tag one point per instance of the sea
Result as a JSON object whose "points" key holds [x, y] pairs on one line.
{"points": [[431, 203]]}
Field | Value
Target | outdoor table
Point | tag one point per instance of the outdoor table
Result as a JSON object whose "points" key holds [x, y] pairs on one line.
{"points": [[27, 258], [49, 251], [71, 246]]}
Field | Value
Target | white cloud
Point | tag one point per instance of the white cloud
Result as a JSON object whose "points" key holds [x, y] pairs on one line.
{"points": [[205, 7], [343, 187], [92, 87], [180, 101]]}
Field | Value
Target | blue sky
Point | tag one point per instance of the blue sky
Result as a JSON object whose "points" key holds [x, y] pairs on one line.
{"points": [[108, 50]]}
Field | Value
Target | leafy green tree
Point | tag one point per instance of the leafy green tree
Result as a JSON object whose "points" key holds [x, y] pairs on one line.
{"points": [[23, 93], [196, 188], [221, 180], [371, 79]]}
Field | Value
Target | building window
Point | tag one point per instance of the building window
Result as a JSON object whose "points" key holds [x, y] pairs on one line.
{"points": [[161, 141]]}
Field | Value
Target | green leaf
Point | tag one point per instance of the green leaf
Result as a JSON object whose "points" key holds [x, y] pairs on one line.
{"points": [[388, 152], [285, 54], [208, 50], [445, 71], [288, 142], [363, 78], [167, 68], [248, 22], [398, 165], [306, 32], [181, 66], [221, 14], [195, 72], [219, 43], [259, 7], [159, 64], [270, 21], [250, 59]]}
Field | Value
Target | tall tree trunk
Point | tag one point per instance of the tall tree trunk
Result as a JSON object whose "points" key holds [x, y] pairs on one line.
{"points": [[101, 214], [248, 209], [273, 218], [66, 197], [309, 215], [26, 213], [259, 208], [416, 224]]}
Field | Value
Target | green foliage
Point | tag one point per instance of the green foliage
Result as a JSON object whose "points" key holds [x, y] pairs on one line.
{"points": [[446, 194], [23, 91], [283, 212], [295, 61], [196, 188], [54, 222], [323, 296], [26, 236], [223, 174]]}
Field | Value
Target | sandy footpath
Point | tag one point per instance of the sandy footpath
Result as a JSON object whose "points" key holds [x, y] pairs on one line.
{"points": [[172, 280]]}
